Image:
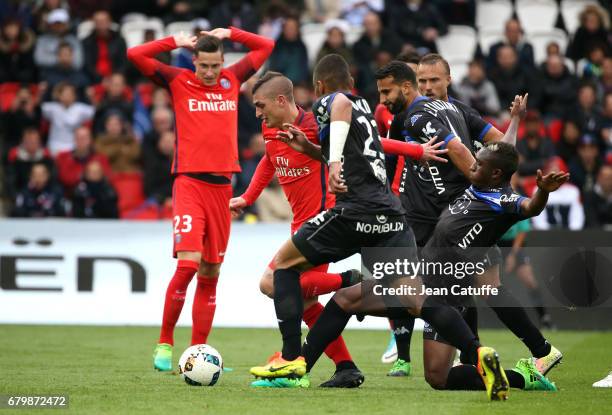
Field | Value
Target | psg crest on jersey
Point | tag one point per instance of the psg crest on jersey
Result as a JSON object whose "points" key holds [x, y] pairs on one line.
{"points": [[225, 83]]}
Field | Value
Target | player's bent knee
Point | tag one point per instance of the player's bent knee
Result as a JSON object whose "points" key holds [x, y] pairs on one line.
{"points": [[266, 284], [346, 301], [436, 379], [209, 269], [189, 256]]}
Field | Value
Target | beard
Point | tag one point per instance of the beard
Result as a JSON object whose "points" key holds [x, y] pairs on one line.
{"points": [[398, 105]]}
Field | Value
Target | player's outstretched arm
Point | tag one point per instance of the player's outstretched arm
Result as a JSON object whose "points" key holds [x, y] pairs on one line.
{"points": [[260, 49], [546, 184], [143, 56], [341, 114], [518, 110], [426, 152], [297, 140]]}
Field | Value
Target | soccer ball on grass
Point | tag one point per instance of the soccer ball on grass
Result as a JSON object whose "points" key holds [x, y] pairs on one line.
{"points": [[201, 365]]}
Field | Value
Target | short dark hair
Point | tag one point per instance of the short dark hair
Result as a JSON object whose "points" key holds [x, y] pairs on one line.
{"points": [[434, 58], [333, 70], [409, 57], [208, 44], [399, 71], [265, 78], [504, 157]]}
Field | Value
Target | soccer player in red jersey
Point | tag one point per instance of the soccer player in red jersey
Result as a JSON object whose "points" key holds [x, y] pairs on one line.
{"points": [[206, 154], [304, 182]]}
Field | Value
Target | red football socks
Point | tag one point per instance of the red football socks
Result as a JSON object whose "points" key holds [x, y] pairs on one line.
{"points": [[315, 283], [204, 306], [175, 298]]}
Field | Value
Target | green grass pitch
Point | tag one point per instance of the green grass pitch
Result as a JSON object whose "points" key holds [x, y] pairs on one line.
{"points": [[109, 370]]}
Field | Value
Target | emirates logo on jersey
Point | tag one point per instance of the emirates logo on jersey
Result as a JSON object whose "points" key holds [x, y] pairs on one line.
{"points": [[212, 105], [283, 169]]}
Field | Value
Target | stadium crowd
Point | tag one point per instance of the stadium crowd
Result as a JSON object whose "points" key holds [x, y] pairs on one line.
{"points": [[84, 135]]}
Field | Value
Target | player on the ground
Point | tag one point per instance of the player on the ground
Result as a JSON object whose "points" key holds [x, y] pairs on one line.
{"points": [[433, 78], [205, 103], [490, 203], [366, 214]]}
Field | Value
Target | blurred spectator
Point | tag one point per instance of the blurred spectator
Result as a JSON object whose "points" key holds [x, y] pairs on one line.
{"points": [[564, 209], [17, 53], [160, 99], [17, 9], [598, 202], [535, 150], [105, 50], [250, 158], [249, 128], [335, 41], [21, 159], [43, 10], [45, 53], [115, 100], [273, 18], [181, 11], [64, 115], [94, 197], [184, 56], [509, 77], [354, 11], [585, 111], [70, 164], [86, 9], [585, 166], [558, 88], [318, 11], [303, 96], [553, 48], [458, 12], [606, 131], [591, 66], [604, 84], [237, 13], [42, 197], [375, 40], [477, 91], [64, 71], [272, 205], [24, 112], [290, 56], [594, 26], [417, 22], [513, 37], [163, 121], [567, 146], [157, 163], [121, 148]]}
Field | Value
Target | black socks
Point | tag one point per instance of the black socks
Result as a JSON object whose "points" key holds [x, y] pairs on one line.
{"points": [[289, 308]]}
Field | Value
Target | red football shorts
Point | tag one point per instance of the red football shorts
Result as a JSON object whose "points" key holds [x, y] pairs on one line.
{"points": [[202, 217], [294, 228]]}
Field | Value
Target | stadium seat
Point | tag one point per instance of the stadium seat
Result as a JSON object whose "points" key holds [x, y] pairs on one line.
{"points": [[488, 37], [459, 70], [134, 17], [313, 36], [493, 14], [459, 44], [133, 32], [231, 58], [537, 15], [8, 92], [129, 187], [178, 27], [539, 41], [570, 10]]}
